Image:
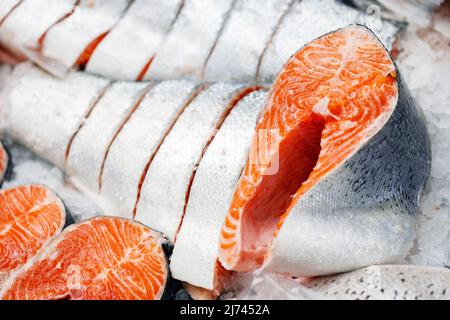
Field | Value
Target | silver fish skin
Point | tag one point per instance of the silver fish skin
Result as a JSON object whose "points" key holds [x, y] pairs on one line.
{"points": [[66, 41], [21, 30], [138, 140], [134, 41], [362, 212], [42, 112], [84, 157], [385, 282], [195, 254], [236, 55], [168, 178], [187, 46]]}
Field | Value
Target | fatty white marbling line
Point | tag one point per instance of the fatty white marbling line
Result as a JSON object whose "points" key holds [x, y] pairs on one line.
{"points": [[42, 112], [66, 41], [91, 142], [133, 42], [187, 46], [236, 55], [167, 181], [137, 141], [21, 30], [212, 189]]}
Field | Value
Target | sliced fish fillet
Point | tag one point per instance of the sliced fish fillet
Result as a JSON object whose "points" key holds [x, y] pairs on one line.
{"points": [[102, 258], [90, 142], [130, 46], [236, 55], [211, 194], [73, 40], [42, 112], [138, 140], [189, 43], [309, 19], [338, 160], [22, 29], [388, 282], [165, 187], [30, 216]]}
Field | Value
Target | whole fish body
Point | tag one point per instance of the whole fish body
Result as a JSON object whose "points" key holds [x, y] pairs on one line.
{"points": [[188, 143], [230, 40]]}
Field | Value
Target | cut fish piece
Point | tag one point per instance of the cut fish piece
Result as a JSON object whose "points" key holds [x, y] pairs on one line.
{"points": [[341, 154], [242, 38], [309, 19], [90, 144], [30, 216], [102, 258], [7, 7], [188, 45], [211, 194], [137, 141], [23, 28], [5, 163], [166, 185], [42, 112], [73, 40], [389, 282], [130, 46], [249, 28]]}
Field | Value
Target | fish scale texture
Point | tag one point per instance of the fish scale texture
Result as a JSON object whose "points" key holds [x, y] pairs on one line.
{"points": [[211, 193], [89, 145], [39, 99], [168, 179], [187, 46], [363, 212], [138, 140], [236, 55], [88, 21], [21, 30], [136, 38]]}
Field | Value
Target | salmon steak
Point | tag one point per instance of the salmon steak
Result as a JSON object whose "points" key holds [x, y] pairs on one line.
{"points": [[30, 217], [318, 174], [102, 258], [337, 163], [171, 39]]}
